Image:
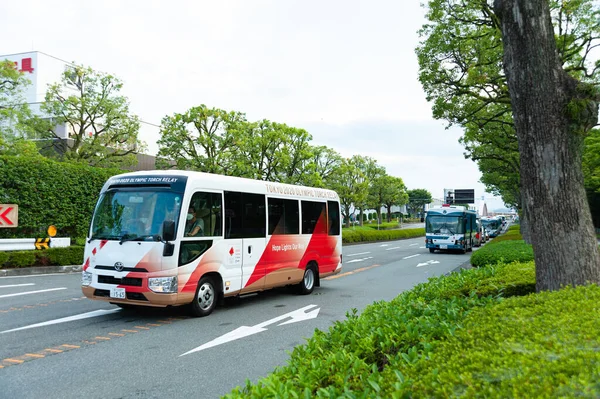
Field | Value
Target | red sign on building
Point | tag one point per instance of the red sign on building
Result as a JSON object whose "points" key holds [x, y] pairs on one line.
{"points": [[26, 65]]}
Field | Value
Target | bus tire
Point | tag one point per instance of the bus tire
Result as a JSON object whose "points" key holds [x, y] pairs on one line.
{"points": [[307, 284], [431, 250], [206, 297]]}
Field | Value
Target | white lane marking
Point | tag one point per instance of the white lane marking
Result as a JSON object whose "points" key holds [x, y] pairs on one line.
{"points": [[413, 244], [411, 256], [32, 292], [41, 275], [422, 247], [389, 249], [359, 260], [87, 315], [360, 253], [15, 285], [384, 245], [429, 262], [244, 331]]}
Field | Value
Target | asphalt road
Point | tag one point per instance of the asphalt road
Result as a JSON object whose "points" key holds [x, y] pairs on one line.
{"points": [[54, 343]]}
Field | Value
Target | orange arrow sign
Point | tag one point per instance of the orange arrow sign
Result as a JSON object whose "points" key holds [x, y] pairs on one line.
{"points": [[9, 215]]}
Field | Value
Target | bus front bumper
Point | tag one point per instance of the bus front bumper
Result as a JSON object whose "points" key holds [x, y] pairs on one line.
{"points": [[146, 298]]}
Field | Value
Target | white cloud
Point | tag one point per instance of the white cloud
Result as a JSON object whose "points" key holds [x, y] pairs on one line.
{"points": [[344, 70]]}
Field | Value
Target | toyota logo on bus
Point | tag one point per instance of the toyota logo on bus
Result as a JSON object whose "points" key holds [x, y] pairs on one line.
{"points": [[119, 266]]}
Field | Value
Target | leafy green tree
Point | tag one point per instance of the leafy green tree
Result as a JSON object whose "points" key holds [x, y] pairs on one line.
{"points": [[15, 114], [551, 119], [348, 181], [591, 173], [460, 61], [261, 147], [323, 165], [371, 171], [203, 139], [417, 199], [394, 194], [102, 131], [297, 154]]}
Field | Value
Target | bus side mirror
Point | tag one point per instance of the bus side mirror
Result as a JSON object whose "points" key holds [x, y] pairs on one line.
{"points": [[168, 229]]}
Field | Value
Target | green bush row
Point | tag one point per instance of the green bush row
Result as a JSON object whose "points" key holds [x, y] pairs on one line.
{"points": [[541, 345], [349, 359], [49, 192], [365, 235], [502, 252], [68, 256]]}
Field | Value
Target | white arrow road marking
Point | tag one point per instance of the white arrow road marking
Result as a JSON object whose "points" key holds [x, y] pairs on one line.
{"points": [[244, 331], [16, 285], [360, 253], [411, 256], [87, 315], [302, 316], [389, 249], [359, 260], [429, 262], [32, 292]]}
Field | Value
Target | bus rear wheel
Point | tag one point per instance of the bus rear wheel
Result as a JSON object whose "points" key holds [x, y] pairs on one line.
{"points": [[205, 299], [307, 284]]}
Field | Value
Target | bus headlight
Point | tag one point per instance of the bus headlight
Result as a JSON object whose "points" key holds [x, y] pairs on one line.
{"points": [[163, 284], [86, 278]]}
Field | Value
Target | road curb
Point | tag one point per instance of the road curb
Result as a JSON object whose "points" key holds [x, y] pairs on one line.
{"points": [[27, 271]]}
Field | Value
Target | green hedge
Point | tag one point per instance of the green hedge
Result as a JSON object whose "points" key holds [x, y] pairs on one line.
{"points": [[348, 360], [49, 192], [542, 345], [68, 256], [366, 235], [502, 251]]}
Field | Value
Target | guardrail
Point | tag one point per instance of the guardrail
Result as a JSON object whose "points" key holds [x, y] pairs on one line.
{"points": [[24, 244]]}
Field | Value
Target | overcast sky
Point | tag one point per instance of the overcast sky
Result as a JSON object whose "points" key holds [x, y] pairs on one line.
{"points": [[346, 71]]}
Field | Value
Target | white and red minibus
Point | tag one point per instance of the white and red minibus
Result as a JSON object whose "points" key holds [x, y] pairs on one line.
{"points": [[170, 238]]}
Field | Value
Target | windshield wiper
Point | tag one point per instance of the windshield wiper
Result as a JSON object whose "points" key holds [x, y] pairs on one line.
{"points": [[130, 237], [102, 237]]}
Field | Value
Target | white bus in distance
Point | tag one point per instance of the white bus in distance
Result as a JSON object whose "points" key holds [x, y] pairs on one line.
{"points": [[170, 238]]}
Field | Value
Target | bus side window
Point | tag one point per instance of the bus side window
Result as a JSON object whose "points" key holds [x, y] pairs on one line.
{"points": [[248, 215], [333, 218]]}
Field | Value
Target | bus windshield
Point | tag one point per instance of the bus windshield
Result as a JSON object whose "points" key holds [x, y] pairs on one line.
{"points": [[444, 225], [490, 223], [134, 214]]}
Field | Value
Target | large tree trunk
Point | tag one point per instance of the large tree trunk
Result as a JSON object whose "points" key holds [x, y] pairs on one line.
{"points": [[550, 147]]}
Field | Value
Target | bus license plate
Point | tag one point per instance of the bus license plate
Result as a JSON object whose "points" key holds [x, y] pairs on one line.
{"points": [[118, 293], [443, 247]]}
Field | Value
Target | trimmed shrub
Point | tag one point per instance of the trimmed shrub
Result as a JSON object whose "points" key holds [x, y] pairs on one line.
{"points": [[50, 192], [542, 345], [349, 360], [502, 252], [368, 235], [68, 256], [21, 259], [3, 259]]}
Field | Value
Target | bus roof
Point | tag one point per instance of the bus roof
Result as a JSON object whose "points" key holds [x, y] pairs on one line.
{"points": [[211, 181]]}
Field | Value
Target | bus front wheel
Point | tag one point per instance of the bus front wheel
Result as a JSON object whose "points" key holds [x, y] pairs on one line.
{"points": [[431, 250], [205, 299], [307, 285]]}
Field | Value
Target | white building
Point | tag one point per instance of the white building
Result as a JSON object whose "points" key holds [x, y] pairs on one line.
{"points": [[41, 70]]}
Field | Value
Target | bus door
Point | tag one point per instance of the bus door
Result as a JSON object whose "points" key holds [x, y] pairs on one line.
{"points": [[245, 222]]}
